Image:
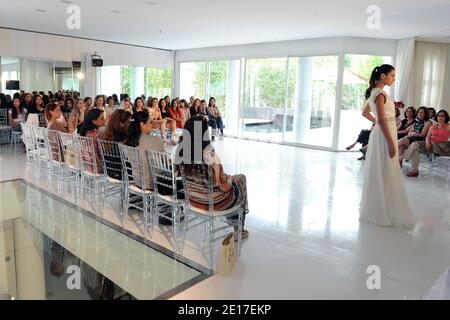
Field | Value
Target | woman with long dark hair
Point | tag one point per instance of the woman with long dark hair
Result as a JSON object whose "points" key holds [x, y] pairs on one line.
{"points": [[194, 153], [383, 199], [407, 122], [16, 115], [175, 113], [139, 137], [417, 132], [117, 127], [94, 119]]}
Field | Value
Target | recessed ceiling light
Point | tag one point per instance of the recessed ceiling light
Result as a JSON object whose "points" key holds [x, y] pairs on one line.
{"points": [[66, 1], [115, 11], [161, 31], [151, 3], [41, 10]]}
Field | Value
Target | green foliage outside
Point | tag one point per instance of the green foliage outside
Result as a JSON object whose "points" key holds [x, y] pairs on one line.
{"points": [[158, 82], [361, 67], [126, 79]]}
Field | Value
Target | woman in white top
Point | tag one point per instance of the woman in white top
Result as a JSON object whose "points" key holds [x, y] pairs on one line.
{"points": [[383, 200], [16, 115]]}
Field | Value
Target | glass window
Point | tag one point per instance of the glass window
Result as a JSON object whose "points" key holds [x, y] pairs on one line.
{"points": [[158, 82], [311, 100], [10, 67], [110, 80], [193, 80], [125, 82], [264, 98], [357, 71]]}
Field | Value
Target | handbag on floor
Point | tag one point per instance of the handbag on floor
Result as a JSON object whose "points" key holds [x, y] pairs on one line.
{"points": [[228, 256]]}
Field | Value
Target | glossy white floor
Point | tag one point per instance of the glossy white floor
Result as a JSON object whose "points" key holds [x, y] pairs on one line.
{"points": [[305, 238]]}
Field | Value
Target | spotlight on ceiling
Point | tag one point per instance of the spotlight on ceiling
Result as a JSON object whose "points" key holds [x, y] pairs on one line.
{"points": [[41, 10]]}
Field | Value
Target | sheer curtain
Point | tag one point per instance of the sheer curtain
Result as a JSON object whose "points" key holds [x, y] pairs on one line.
{"points": [[431, 74], [404, 65]]}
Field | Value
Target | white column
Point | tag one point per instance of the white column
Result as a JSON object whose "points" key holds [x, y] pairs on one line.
{"points": [[90, 78], [232, 94], [137, 82], [303, 98]]}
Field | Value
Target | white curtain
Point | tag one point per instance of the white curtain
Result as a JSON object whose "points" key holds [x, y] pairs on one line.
{"points": [[36, 75], [404, 70], [431, 74]]}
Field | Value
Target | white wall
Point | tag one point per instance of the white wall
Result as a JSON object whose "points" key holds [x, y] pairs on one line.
{"points": [[42, 46], [308, 47]]}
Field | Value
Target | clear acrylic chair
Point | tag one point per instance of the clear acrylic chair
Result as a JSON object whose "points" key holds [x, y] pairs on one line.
{"points": [[42, 148], [199, 180], [71, 154], [29, 141], [112, 168], [91, 179], [57, 164], [138, 191], [15, 140], [5, 129], [42, 120], [166, 193]]}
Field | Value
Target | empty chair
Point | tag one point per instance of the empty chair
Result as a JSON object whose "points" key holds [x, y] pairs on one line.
{"points": [[91, 178], [56, 154], [71, 154], [29, 141], [167, 193], [138, 191], [42, 148], [5, 129], [112, 168]]}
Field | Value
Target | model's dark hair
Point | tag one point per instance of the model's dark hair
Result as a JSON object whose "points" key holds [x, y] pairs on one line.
{"points": [[88, 124], [425, 112], [447, 117], [134, 130], [376, 76], [413, 112]]}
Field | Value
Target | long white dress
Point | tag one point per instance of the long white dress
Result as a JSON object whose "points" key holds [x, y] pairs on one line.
{"points": [[383, 199]]}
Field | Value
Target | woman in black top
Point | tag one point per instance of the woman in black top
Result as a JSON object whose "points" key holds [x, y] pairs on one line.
{"points": [[417, 132], [403, 128]]}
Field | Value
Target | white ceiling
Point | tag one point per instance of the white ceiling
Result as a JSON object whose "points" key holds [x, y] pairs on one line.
{"points": [[183, 24]]}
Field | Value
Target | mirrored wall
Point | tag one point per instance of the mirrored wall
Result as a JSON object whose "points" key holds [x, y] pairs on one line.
{"points": [[40, 75]]}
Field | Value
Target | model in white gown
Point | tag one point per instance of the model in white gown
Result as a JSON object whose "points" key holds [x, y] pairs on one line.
{"points": [[383, 200]]}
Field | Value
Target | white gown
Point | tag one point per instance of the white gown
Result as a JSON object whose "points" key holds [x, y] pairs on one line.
{"points": [[383, 199]]}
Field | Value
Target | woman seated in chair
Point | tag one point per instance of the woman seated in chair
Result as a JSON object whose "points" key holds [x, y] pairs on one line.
{"points": [[95, 119], [53, 114], [229, 191], [139, 137], [16, 115], [403, 128], [436, 143], [417, 132], [116, 131]]}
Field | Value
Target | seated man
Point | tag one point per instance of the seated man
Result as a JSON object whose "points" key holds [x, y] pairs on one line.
{"points": [[436, 143]]}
